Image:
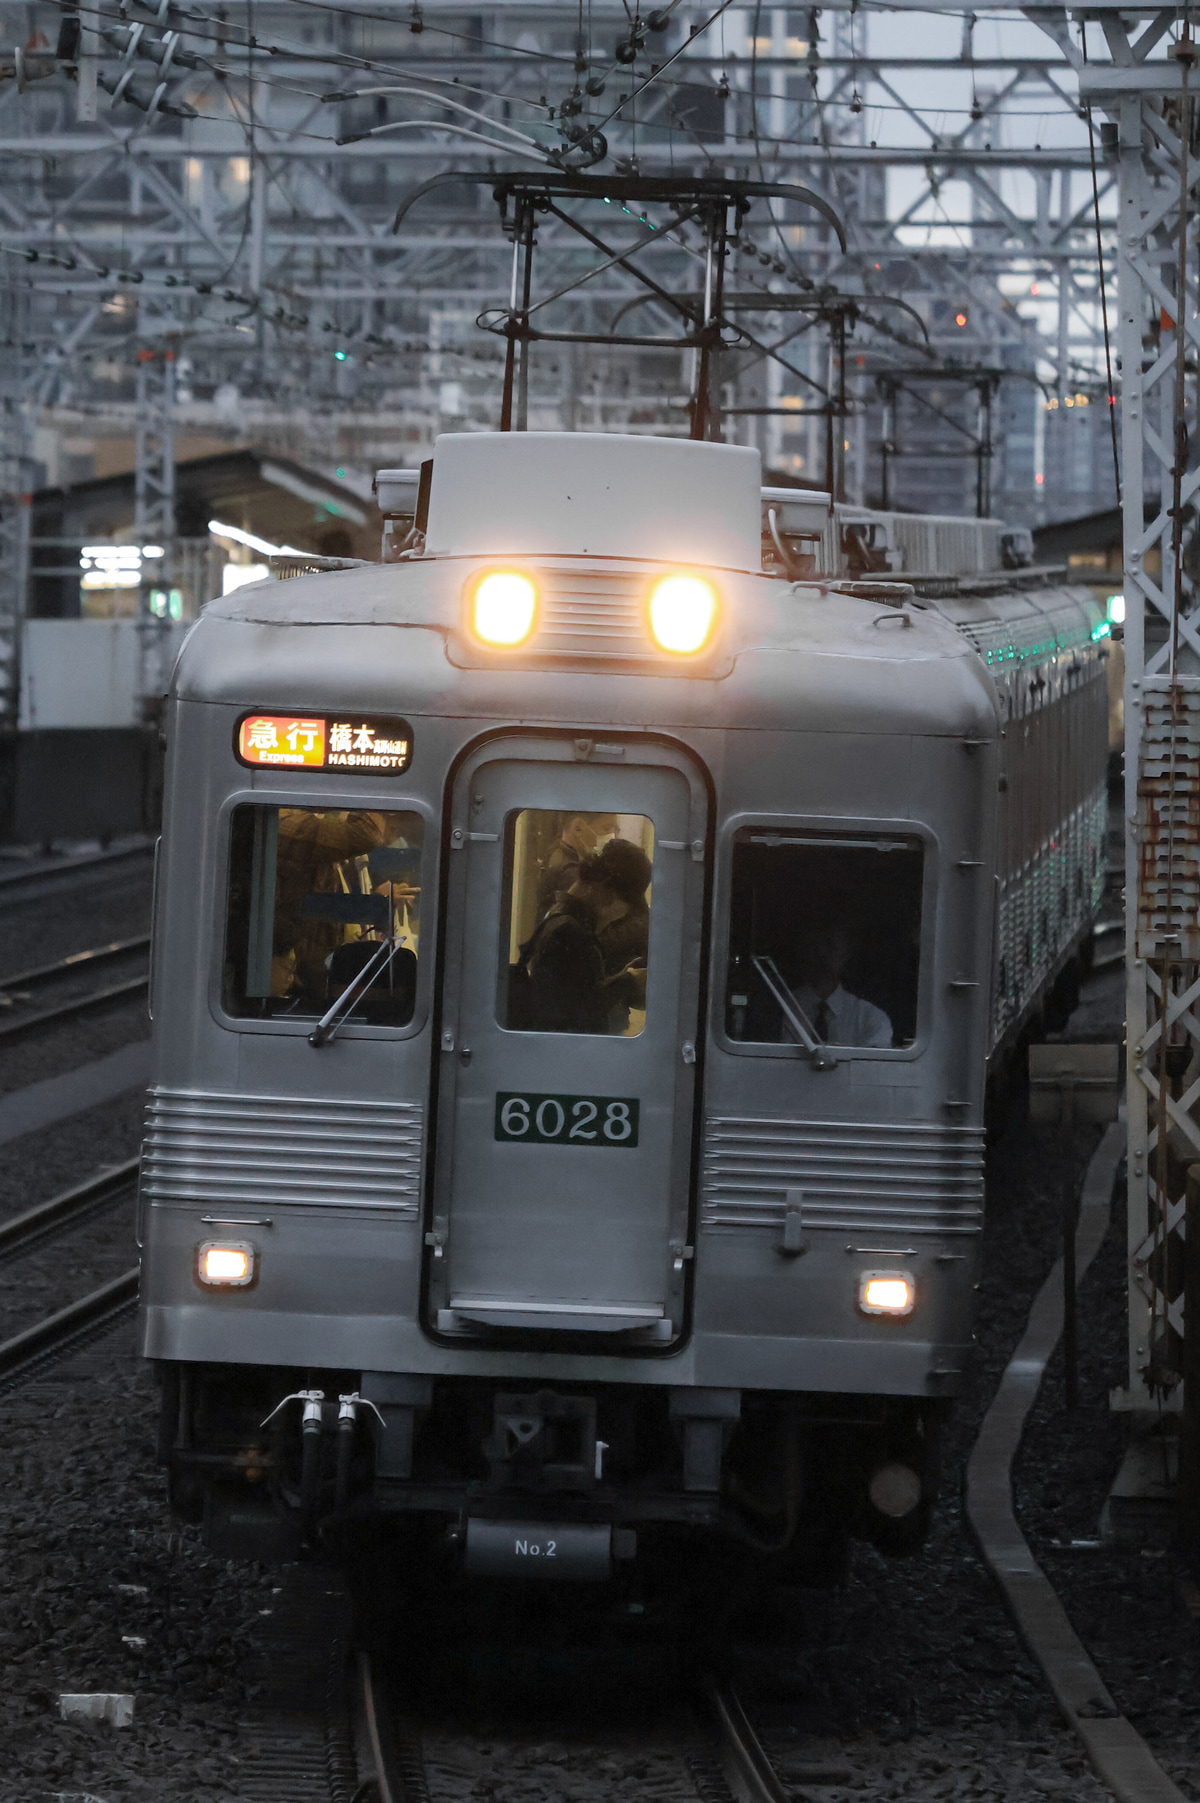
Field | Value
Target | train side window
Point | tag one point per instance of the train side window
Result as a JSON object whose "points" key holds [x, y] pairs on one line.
{"points": [[576, 934], [830, 925], [314, 896]]}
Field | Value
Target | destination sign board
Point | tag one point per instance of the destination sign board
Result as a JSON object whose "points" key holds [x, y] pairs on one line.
{"points": [[366, 745]]}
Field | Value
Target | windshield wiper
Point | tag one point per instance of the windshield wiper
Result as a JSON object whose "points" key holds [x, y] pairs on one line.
{"points": [[334, 1017], [820, 1056]]}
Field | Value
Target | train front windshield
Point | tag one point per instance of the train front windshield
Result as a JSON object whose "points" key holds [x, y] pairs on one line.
{"points": [[825, 939], [314, 896]]}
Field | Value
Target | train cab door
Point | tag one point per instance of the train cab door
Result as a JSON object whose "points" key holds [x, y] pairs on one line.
{"points": [[570, 1002]]}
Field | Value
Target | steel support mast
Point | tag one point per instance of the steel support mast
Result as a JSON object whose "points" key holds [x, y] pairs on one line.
{"points": [[1153, 101]]}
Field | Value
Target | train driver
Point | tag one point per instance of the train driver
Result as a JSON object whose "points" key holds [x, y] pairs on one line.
{"points": [[838, 1017]]}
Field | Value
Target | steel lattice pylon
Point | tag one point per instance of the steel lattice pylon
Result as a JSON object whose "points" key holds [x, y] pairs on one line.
{"points": [[154, 492], [1154, 105], [14, 501]]}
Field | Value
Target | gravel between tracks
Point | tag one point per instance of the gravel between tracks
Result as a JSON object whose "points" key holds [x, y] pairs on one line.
{"points": [[94, 910], [51, 1051], [65, 1266], [82, 1516], [40, 1165], [1135, 1608], [92, 907]]}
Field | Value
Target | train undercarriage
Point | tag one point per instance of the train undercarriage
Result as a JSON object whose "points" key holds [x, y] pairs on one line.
{"points": [[574, 1481]]}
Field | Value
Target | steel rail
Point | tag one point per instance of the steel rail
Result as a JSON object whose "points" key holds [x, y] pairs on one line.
{"points": [[105, 1187], [63, 967], [12, 1029], [371, 1722], [21, 885], [399, 1773], [57, 1331], [749, 1773]]}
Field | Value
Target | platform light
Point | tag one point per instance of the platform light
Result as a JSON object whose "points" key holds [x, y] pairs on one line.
{"points": [[683, 612], [110, 566], [225, 1264], [237, 575], [886, 1293], [503, 607], [263, 546]]}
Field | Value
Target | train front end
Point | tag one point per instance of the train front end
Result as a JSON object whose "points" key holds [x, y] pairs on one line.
{"points": [[571, 985]]}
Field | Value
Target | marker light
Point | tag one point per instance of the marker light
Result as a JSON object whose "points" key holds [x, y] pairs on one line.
{"points": [[683, 611], [503, 607], [886, 1293], [230, 1265]]}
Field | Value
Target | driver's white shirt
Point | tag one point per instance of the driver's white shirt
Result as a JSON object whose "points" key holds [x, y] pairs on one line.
{"points": [[852, 1021]]}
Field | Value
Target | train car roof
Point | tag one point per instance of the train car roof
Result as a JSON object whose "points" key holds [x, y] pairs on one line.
{"points": [[592, 516], [388, 636]]}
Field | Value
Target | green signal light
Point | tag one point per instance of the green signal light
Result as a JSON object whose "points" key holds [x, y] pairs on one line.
{"points": [[340, 355]]}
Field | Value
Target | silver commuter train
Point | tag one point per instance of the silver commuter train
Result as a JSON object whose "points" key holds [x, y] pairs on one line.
{"points": [[553, 1202]]}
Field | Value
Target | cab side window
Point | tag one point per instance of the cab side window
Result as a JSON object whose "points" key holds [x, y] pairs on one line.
{"points": [[315, 895], [825, 939]]}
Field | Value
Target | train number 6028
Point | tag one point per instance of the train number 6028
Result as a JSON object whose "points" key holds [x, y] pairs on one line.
{"points": [[541, 1120]]}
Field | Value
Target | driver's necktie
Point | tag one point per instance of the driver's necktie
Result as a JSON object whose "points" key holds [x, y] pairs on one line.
{"points": [[823, 1021]]}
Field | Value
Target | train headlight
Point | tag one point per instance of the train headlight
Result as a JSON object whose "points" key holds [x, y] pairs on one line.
{"points": [[886, 1293], [683, 613], [226, 1264], [503, 606]]}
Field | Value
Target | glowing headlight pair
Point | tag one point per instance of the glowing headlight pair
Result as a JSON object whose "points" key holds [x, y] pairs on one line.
{"points": [[682, 611]]}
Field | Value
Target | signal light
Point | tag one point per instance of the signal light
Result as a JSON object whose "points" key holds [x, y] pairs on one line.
{"points": [[503, 607], [961, 317], [225, 1265], [683, 613], [886, 1293]]}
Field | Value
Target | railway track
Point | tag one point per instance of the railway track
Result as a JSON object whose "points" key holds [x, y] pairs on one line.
{"points": [[51, 876], [67, 1329], [79, 1321], [103, 1190], [719, 1759], [17, 992]]}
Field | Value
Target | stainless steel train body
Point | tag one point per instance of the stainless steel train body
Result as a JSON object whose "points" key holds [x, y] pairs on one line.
{"points": [[548, 1285]]}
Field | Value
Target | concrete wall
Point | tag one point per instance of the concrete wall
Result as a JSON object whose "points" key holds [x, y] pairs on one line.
{"points": [[89, 673]]}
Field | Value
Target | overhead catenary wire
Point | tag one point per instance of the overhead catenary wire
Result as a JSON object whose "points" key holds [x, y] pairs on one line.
{"points": [[282, 308], [322, 56]]}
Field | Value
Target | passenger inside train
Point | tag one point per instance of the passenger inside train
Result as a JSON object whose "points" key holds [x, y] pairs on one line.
{"points": [[582, 968], [314, 895]]}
